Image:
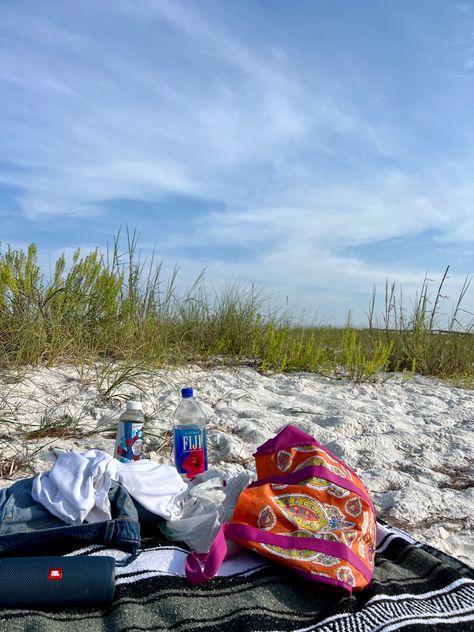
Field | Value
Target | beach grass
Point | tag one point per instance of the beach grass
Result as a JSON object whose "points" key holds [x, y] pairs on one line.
{"points": [[114, 310]]}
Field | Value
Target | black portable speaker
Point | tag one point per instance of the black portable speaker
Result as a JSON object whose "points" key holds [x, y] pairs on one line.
{"points": [[55, 582]]}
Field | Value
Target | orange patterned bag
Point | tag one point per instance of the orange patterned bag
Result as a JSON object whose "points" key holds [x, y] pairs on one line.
{"points": [[307, 510]]}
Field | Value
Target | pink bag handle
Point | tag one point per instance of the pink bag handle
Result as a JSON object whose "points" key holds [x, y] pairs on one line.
{"points": [[212, 561]]}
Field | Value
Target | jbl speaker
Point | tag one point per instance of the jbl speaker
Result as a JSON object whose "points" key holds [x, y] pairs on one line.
{"points": [[55, 582]]}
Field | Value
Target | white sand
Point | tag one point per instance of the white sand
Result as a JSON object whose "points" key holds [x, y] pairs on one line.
{"points": [[412, 443]]}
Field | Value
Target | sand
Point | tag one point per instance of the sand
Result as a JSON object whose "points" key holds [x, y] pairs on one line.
{"points": [[411, 441]]}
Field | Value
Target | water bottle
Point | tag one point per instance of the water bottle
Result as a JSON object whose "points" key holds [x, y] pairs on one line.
{"points": [[189, 436], [128, 443]]}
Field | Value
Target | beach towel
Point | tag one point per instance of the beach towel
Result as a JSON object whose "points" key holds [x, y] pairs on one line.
{"points": [[414, 588]]}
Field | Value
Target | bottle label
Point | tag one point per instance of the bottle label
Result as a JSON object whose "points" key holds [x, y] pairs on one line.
{"points": [[190, 451], [128, 443]]}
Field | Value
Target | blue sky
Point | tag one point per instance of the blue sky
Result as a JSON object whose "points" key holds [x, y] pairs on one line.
{"points": [[315, 148]]}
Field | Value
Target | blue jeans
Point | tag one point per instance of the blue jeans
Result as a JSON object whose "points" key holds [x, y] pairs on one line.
{"points": [[27, 528]]}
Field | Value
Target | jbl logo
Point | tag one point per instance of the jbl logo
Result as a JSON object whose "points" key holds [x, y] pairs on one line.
{"points": [[55, 573]]}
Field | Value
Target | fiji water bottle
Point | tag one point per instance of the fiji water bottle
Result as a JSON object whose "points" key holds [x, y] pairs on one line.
{"points": [[189, 437], [128, 443]]}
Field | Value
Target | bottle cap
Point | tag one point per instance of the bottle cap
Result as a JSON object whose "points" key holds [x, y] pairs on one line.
{"points": [[134, 405], [187, 392]]}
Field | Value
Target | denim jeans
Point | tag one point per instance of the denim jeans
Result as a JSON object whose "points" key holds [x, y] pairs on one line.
{"points": [[27, 528]]}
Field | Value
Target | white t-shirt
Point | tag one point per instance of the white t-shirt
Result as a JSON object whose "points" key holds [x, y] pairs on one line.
{"points": [[76, 488]]}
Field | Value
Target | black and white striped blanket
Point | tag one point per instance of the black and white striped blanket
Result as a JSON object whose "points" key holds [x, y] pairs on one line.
{"points": [[415, 587]]}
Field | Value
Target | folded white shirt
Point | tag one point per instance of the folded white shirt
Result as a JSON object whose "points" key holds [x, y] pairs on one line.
{"points": [[76, 488]]}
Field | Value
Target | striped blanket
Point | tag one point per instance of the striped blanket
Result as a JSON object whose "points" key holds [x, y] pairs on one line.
{"points": [[415, 587]]}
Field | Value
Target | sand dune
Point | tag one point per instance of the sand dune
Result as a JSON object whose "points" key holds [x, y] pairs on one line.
{"points": [[411, 442]]}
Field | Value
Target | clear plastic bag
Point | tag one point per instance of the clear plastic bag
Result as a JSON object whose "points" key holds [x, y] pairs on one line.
{"points": [[208, 502]]}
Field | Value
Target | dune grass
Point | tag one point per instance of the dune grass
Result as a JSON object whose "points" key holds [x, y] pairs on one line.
{"points": [[114, 307]]}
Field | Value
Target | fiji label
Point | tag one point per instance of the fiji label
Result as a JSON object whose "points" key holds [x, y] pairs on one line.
{"points": [[190, 451], [128, 444]]}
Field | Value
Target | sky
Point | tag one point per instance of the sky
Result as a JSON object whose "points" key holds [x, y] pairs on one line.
{"points": [[313, 148]]}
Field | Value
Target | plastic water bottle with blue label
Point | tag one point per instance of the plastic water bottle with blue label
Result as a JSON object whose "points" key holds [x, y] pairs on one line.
{"points": [[189, 436], [129, 439]]}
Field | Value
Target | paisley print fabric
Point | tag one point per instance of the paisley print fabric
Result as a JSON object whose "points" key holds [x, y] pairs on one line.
{"points": [[344, 573], [337, 491], [317, 483], [303, 511], [314, 460], [354, 507], [319, 458], [284, 460], [322, 483], [337, 518], [266, 518], [350, 537], [333, 511]]}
